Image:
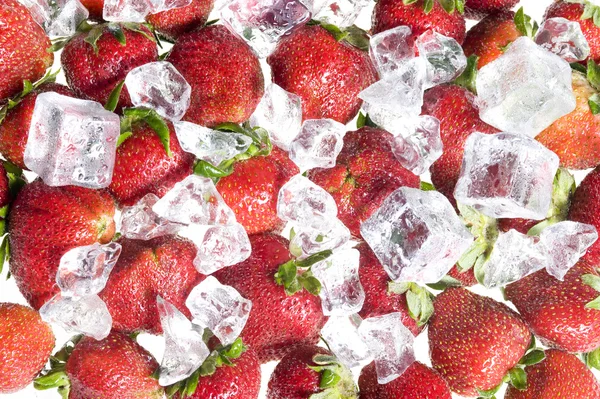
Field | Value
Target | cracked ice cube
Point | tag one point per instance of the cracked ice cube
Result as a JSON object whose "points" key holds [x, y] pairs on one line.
{"points": [[341, 335], [390, 343], [564, 38], [185, 350], [159, 86], [418, 143], [341, 13], [444, 55], [88, 315], [307, 241], [220, 308], [507, 176], [59, 18], [342, 294], [194, 200], [318, 144], [391, 49], [72, 141], [525, 90], [262, 23], [280, 113], [416, 235], [84, 271], [210, 145], [140, 222]]}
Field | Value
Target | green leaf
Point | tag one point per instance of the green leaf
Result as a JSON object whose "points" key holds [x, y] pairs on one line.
{"points": [[357, 37], [93, 36], [314, 258], [235, 350], [594, 103], [576, 66], [113, 98], [398, 288], [286, 274], [448, 5], [210, 365], [336, 32], [592, 280], [490, 392], [460, 6], [595, 304], [593, 74], [425, 186], [364, 120], [533, 357], [191, 383], [52, 380], [428, 6], [518, 378], [524, 24], [117, 32], [152, 119], [3, 252], [469, 77], [592, 359], [445, 282], [329, 379], [311, 284], [206, 169], [123, 137]]}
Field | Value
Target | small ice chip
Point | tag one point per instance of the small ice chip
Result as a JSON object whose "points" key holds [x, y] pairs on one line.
{"points": [[318, 144], [391, 49], [140, 222]]}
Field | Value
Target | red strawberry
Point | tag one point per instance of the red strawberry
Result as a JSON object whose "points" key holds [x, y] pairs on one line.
{"points": [[45, 222], [585, 206], [466, 278], [417, 382], [95, 8], [366, 173], [327, 74], [559, 375], [174, 23], [521, 225], [94, 70], [26, 343], [221, 91], [478, 9], [474, 341], [278, 323], [23, 45], [389, 14]]}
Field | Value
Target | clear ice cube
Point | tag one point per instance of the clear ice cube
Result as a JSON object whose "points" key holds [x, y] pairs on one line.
{"points": [[564, 38], [59, 18], [391, 49], [220, 308], [307, 241], [341, 13], [417, 142], [444, 55], [127, 10], [280, 113], [72, 141], [507, 176], [416, 235], [185, 350], [165, 5], [390, 343], [140, 222], [319, 143], [525, 90], [342, 337]]}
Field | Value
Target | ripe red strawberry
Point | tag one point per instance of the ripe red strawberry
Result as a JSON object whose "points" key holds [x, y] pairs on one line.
{"points": [[466, 278], [417, 382], [278, 323], [162, 266], [310, 370], [478, 9], [327, 74], [521, 225], [559, 375], [389, 14], [474, 341], [221, 91], [174, 23], [45, 222], [95, 8], [585, 206], [26, 343], [366, 173], [5, 194], [94, 70], [23, 45], [252, 189]]}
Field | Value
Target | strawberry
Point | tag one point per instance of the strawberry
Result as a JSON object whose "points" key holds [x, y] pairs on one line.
{"points": [[477, 9], [559, 375], [26, 343], [95, 8], [365, 174], [174, 23], [310, 370], [420, 16], [521, 225], [23, 45], [278, 322], [585, 206], [221, 91], [326, 73], [465, 277], [474, 341], [417, 382], [45, 222]]}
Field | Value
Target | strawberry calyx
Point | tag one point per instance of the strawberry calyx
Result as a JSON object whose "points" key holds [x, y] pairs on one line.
{"points": [[336, 380], [295, 274], [448, 5], [149, 116], [590, 11], [419, 299], [592, 73], [593, 280], [365, 120], [469, 76], [352, 35], [485, 231], [16, 181], [55, 375], [525, 24], [592, 359]]}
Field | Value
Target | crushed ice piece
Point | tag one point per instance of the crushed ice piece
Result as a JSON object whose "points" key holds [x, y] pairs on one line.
{"points": [[307, 241], [445, 57], [342, 337], [417, 142], [140, 222], [391, 49], [319, 143], [564, 38]]}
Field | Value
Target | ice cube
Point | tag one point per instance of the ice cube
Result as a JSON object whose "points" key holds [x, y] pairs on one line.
{"points": [[262, 23], [220, 308], [417, 142], [342, 294], [307, 241], [72, 141], [391, 49], [280, 113], [444, 55], [88, 315], [140, 222], [525, 90], [564, 38], [416, 235], [59, 18], [195, 200], [341, 13], [564, 244], [165, 5], [127, 10], [507, 176], [185, 350], [84, 271], [212, 146], [319, 143], [39, 10], [342, 337], [390, 343]]}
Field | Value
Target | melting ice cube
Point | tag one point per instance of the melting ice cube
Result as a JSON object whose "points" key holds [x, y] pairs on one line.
{"points": [[564, 38]]}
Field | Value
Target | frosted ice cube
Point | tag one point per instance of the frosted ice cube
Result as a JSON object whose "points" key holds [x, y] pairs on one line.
{"points": [[341, 13], [140, 222], [280, 113], [445, 57], [262, 23], [416, 235], [84, 270], [127, 10], [390, 343], [59, 18], [72, 141], [564, 38], [219, 308], [564, 244], [88, 315], [185, 350], [210, 145], [319, 143], [391, 49], [525, 90], [308, 241], [342, 337], [418, 143], [507, 176], [194, 200]]}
